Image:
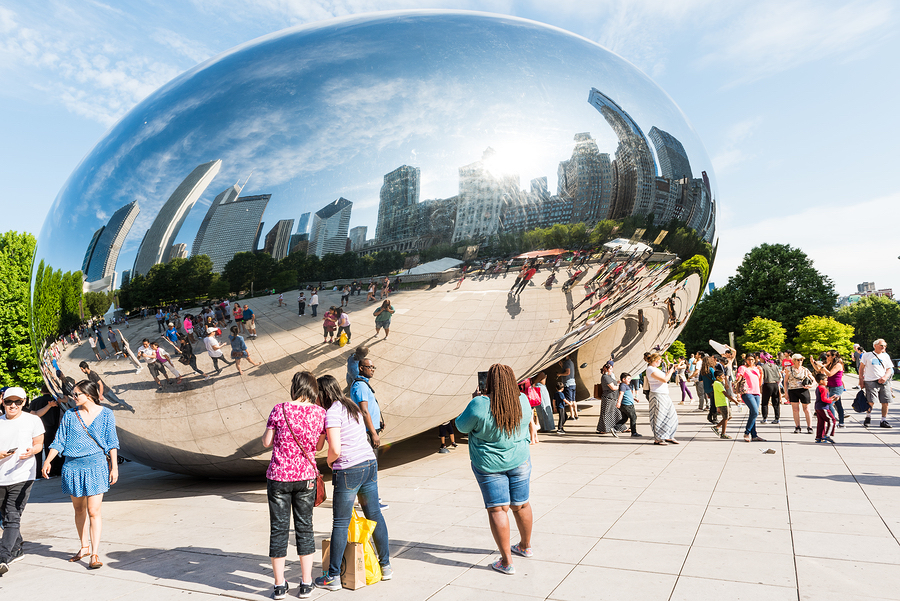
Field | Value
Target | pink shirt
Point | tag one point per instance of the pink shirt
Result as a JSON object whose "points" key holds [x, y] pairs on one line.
{"points": [[753, 377], [288, 463]]}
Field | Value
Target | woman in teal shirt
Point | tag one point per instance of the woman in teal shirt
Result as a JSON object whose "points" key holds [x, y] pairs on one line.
{"points": [[497, 425]]}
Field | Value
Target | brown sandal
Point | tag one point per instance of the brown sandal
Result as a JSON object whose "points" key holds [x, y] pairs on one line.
{"points": [[78, 556], [95, 562]]}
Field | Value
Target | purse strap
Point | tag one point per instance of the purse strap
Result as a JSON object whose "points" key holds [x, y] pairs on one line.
{"points": [[296, 440], [84, 425]]}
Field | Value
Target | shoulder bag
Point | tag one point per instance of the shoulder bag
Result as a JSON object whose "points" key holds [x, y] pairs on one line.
{"points": [[88, 432], [320, 482]]}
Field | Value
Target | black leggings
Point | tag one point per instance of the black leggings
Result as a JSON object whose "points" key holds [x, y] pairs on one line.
{"points": [[193, 364], [561, 410], [770, 392]]}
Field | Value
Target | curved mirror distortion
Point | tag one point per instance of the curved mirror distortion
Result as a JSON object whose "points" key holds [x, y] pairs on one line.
{"points": [[402, 164]]}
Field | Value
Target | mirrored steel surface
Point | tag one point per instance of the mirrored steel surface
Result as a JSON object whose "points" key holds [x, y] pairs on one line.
{"points": [[395, 132]]}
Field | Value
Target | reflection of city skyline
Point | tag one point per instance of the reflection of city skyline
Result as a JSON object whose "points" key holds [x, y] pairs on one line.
{"points": [[591, 186]]}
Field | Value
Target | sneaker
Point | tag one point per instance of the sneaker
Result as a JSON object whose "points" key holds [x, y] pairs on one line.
{"points": [[614, 433], [724, 436], [636, 435], [386, 573], [560, 431], [281, 590], [443, 450], [884, 424], [454, 445], [764, 421], [5, 568], [819, 440], [305, 590], [382, 505], [867, 421], [523, 551], [774, 421], [19, 556], [808, 430], [797, 430], [497, 566], [828, 439], [715, 429], [840, 425], [332, 584], [758, 439]]}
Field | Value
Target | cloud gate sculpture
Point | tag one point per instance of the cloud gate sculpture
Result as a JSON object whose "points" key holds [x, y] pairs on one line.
{"points": [[448, 152]]}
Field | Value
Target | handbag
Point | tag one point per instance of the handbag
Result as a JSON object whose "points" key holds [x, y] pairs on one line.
{"points": [[320, 482], [83, 425]]}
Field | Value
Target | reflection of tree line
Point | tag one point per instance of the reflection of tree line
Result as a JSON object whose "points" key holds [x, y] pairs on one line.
{"points": [[192, 279]]}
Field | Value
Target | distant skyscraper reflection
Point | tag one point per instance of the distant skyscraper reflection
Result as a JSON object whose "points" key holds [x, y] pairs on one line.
{"points": [[330, 227], [233, 227], [103, 252]]}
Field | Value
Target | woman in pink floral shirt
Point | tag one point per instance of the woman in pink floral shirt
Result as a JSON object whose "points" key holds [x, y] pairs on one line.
{"points": [[292, 477]]}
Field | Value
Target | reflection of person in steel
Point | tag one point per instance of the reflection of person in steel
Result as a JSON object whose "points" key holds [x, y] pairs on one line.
{"points": [[371, 295], [301, 304], [462, 276], [527, 274], [383, 318], [250, 320]]}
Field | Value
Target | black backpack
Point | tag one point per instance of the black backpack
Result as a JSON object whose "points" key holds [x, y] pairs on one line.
{"points": [[860, 404]]}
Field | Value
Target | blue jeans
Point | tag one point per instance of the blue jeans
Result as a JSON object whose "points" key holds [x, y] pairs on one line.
{"points": [[504, 488], [569, 391], [837, 408], [360, 480], [752, 402]]}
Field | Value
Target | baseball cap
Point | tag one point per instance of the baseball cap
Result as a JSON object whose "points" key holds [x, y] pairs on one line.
{"points": [[14, 391]]}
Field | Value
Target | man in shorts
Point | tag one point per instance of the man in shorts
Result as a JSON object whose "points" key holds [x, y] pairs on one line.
{"points": [[875, 373]]}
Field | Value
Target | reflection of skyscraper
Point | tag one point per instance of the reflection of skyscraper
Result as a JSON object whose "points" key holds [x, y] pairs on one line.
{"points": [[162, 233], [227, 195], [90, 250], [178, 251], [126, 276], [673, 160], [109, 242], [481, 199], [396, 208], [329, 228], [586, 178], [234, 227], [634, 169], [278, 240], [303, 225], [358, 237]]}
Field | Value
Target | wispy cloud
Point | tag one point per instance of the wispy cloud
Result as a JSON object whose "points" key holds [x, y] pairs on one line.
{"points": [[774, 36], [732, 150]]}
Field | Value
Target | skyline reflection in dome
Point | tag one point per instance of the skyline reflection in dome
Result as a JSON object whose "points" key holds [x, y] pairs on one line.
{"points": [[423, 128]]}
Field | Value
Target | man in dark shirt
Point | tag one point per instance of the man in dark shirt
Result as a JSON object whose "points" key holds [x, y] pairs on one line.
{"points": [[47, 408], [105, 391]]}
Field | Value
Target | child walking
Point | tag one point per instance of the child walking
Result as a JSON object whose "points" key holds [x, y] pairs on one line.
{"points": [[561, 402], [625, 405], [824, 417], [722, 407]]}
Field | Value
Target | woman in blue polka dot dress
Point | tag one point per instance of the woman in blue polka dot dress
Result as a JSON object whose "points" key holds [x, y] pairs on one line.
{"points": [[86, 435]]}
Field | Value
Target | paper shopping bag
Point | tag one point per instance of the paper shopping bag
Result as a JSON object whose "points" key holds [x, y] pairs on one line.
{"points": [[353, 565]]}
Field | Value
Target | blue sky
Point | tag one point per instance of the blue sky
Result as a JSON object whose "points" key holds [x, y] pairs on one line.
{"points": [[794, 101]]}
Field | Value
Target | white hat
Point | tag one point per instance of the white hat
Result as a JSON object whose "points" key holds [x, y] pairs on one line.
{"points": [[14, 391]]}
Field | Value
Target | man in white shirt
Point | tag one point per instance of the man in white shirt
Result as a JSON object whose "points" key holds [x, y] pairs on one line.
{"points": [[875, 373], [214, 349], [21, 438]]}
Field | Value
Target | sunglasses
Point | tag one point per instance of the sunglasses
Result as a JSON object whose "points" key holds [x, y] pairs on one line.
{"points": [[10, 402]]}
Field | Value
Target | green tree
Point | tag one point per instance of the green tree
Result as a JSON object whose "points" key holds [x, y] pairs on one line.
{"points": [[763, 334], [249, 269], [677, 349], [18, 363], [816, 334], [713, 319], [96, 303], [872, 318]]}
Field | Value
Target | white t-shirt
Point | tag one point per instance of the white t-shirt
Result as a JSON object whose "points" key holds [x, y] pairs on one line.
{"points": [[18, 433], [314, 299], [210, 341], [656, 385], [876, 364]]}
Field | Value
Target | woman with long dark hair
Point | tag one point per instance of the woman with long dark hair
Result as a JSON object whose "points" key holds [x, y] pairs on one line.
{"points": [[295, 431], [497, 424], [87, 439], [354, 475]]}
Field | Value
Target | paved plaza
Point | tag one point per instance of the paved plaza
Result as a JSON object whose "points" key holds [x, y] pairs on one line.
{"points": [[614, 519]]}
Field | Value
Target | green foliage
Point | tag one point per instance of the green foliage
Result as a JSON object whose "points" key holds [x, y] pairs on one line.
{"points": [[179, 281], [763, 334], [697, 264], [249, 269], [775, 281], [816, 334], [872, 318], [18, 362], [677, 349], [96, 304]]}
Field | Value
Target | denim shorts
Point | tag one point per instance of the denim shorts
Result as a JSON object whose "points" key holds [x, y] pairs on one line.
{"points": [[505, 488]]}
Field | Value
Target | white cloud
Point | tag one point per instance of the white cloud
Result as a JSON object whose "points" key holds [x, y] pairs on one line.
{"points": [[731, 152], [774, 36]]}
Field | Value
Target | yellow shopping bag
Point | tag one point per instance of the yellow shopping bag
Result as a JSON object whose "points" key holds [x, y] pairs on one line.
{"points": [[360, 531], [342, 340]]}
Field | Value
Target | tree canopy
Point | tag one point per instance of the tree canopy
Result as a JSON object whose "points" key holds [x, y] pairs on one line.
{"points": [[18, 363], [763, 334], [774, 281], [816, 334], [872, 318]]}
